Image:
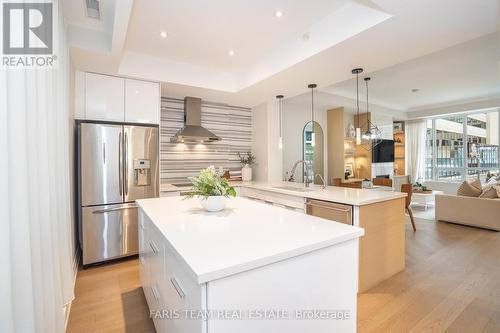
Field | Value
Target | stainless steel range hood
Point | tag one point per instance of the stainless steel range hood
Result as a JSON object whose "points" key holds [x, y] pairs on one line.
{"points": [[192, 130]]}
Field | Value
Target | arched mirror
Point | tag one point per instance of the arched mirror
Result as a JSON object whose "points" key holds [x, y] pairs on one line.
{"points": [[313, 154]]}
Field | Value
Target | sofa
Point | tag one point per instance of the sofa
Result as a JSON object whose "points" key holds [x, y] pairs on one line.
{"points": [[471, 211]]}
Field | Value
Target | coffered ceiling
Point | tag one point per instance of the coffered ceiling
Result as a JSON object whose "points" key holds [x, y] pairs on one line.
{"points": [[312, 41]]}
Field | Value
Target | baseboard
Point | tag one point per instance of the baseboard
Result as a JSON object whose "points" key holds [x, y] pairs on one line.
{"points": [[66, 310], [67, 307]]}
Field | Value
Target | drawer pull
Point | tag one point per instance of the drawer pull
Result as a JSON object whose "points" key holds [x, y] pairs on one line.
{"points": [[154, 248], [345, 210], [178, 288]]}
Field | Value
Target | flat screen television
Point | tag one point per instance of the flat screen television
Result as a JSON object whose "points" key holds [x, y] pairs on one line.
{"points": [[383, 152]]}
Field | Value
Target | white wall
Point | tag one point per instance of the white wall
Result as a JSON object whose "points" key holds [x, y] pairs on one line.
{"points": [[295, 118], [265, 139]]}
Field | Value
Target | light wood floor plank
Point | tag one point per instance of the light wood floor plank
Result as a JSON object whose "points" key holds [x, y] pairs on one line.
{"points": [[451, 284]]}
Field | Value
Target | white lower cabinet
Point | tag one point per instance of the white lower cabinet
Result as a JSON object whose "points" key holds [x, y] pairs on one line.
{"points": [[171, 291]]}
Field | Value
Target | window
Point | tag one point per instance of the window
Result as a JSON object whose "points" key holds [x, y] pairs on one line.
{"points": [[462, 146]]}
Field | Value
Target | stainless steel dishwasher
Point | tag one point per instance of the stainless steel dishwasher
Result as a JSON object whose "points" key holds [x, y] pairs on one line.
{"points": [[329, 210]]}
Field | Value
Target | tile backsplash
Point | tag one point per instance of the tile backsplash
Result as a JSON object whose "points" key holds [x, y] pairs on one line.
{"points": [[181, 160]]}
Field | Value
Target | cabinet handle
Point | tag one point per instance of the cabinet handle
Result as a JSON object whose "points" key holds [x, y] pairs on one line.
{"points": [[154, 248], [102, 211], [178, 288], [126, 164], [345, 210], [120, 163]]}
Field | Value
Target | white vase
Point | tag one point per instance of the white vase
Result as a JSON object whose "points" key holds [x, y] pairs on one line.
{"points": [[246, 173], [214, 203]]}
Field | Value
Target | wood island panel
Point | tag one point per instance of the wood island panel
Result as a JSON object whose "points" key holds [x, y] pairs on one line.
{"points": [[382, 248]]}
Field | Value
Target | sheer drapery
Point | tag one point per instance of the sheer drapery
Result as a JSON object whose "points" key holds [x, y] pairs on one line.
{"points": [[36, 278], [415, 134]]}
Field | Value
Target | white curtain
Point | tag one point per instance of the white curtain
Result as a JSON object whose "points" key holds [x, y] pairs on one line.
{"points": [[36, 275], [415, 134]]}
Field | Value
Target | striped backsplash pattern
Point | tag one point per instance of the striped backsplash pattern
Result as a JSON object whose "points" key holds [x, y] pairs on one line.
{"points": [[181, 160]]}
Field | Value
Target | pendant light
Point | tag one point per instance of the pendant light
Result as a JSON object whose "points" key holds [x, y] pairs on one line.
{"points": [[279, 98], [357, 71], [368, 134], [313, 137], [372, 134]]}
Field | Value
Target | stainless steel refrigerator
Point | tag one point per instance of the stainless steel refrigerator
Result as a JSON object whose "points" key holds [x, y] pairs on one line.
{"points": [[117, 164]]}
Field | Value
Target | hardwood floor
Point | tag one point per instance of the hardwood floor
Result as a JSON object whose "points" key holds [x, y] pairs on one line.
{"points": [[110, 299], [451, 284]]}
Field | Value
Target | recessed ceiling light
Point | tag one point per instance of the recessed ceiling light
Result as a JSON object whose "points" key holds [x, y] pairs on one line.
{"points": [[231, 52], [278, 13], [163, 34]]}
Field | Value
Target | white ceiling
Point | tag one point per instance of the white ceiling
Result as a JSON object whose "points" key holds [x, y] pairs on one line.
{"points": [[271, 57], [467, 71], [76, 13], [202, 32]]}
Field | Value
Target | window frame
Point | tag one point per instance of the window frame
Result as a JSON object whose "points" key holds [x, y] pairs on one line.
{"points": [[463, 170]]}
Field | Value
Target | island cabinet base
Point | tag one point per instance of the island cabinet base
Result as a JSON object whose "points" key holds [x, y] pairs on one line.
{"points": [[311, 292], [382, 248]]}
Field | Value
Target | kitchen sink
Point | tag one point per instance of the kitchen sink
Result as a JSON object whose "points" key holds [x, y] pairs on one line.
{"points": [[294, 188]]}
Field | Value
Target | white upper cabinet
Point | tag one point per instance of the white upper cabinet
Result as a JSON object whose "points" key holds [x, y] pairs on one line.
{"points": [[111, 98], [142, 102], [104, 97]]}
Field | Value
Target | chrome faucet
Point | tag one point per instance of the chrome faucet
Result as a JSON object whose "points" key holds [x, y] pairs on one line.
{"points": [[323, 186], [292, 172]]}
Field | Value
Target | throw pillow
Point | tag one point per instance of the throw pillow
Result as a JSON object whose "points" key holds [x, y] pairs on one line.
{"points": [[497, 188], [493, 181], [489, 192], [467, 190], [477, 184]]}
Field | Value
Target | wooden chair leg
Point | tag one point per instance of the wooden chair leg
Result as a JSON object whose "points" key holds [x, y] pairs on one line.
{"points": [[410, 212]]}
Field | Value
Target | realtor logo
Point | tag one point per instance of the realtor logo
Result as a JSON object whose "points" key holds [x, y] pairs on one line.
{"points": [[27, 30]]}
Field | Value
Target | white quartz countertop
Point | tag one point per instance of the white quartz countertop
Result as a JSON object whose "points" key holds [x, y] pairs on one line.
{"points": [[244, 236], [344, 195]]}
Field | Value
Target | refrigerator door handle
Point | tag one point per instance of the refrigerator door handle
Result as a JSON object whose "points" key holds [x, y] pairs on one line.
{"points": [[103, 211], [126, 164], [120, 166]]}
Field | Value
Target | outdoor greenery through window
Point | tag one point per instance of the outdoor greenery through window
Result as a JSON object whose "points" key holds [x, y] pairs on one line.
{"points": [[459, 147]]}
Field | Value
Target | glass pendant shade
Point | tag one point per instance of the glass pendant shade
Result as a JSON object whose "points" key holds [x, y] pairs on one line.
{"points": [[373, 133]]}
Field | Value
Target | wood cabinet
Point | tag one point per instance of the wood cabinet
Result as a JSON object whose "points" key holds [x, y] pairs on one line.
{"points": [[382, 248], [399, 150], [329, 210], [111, 98]]}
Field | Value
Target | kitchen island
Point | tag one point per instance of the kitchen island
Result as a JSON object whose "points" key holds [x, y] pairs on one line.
{"points": [[250, 268], [379, 212]]}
